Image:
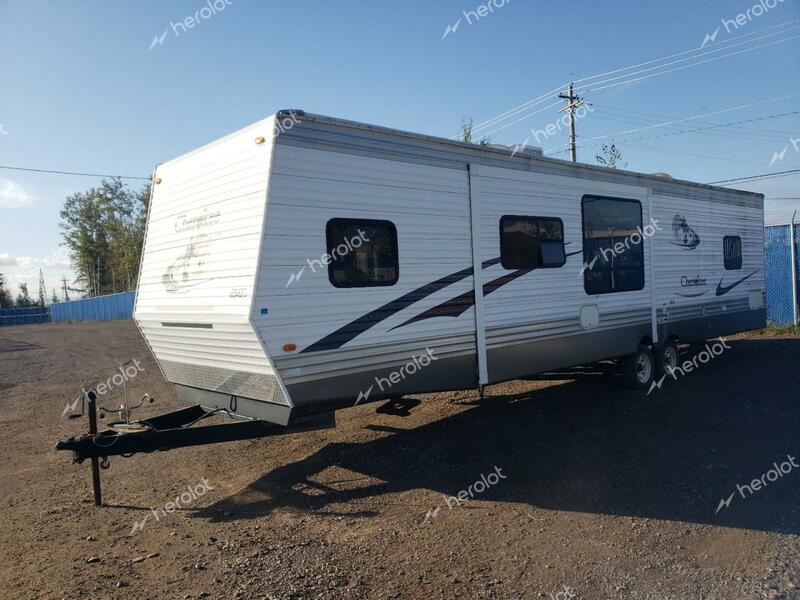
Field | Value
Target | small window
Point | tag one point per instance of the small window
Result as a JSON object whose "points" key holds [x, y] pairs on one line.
{"points": [[361, 253], [732, 251], [613, 245], [531, 243]]}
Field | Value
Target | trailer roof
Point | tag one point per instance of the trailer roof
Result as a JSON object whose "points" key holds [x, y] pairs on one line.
{"points": [[509, 156]]}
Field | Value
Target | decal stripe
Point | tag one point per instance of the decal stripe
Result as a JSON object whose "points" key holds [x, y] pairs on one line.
{"points": [[451, 308], [722, 290], [460, 304], [355, 328]]}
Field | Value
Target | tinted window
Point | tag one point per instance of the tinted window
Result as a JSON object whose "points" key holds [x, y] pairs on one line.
{"points": [[361, 253], [613, 248], [732, 251], [531, 242]]}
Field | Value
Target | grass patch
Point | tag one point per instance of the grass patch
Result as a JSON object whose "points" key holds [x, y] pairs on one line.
{"points": [[777, 330]]}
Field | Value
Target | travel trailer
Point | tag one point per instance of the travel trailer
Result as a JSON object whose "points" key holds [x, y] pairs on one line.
{"points": [[308, 263]]}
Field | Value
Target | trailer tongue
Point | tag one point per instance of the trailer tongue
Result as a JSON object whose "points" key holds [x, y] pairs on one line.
{"points": [[168, 431]]}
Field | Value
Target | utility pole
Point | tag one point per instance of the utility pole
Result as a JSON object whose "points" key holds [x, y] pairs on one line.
{"points": [[573, 103]]}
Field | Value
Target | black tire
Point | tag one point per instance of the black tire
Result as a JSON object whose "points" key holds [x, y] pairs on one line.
{"points": [[668, 356], [638, 369]]}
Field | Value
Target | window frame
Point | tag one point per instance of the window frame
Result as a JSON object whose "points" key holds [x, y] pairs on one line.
{"points": [[586, 197], [741, 253], [358, 222], [532, 218]]}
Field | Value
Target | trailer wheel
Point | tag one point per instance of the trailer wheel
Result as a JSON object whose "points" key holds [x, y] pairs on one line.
{"points": [[668, 357], [639, 368]]}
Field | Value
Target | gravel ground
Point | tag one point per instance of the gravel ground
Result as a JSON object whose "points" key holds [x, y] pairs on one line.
{"points": [[587, 491]]}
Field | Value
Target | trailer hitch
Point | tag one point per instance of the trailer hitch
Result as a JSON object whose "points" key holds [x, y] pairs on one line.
{"points": [[168, 431]]}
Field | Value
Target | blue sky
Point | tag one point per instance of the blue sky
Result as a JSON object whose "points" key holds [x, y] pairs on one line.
{"points": [[81, 89]]}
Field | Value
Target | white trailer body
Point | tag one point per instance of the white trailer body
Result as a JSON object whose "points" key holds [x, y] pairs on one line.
{"points": [[257, 295]]}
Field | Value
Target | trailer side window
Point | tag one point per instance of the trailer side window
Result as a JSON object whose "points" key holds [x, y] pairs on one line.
{"points": [[613, 248], [531, 242], [361, 253], [732, 251]]}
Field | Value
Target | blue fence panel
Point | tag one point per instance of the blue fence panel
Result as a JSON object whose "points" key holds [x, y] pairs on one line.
{"points": [[113, 307], [23, 316], [778, 259]]}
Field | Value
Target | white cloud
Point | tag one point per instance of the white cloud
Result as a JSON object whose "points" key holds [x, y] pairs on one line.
{"points": [[13, 195], [28, 266]]}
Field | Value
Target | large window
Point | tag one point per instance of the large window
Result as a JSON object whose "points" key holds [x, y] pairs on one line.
{"points": [[613, 246], [361, 253], [531, 242], [732, 251]]}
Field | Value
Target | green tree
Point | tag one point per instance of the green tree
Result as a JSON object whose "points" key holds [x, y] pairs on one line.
{"points": [[465, 133], [6, 301], [103, 228], [24, 298], [54, 298], [610, 157]]}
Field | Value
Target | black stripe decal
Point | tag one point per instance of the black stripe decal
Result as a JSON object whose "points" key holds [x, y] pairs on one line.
{"points": [[460, 304], [452, 308], [341, 336]]}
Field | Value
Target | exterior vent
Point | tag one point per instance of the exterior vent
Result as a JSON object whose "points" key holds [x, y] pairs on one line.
{"points": [[663, 176]]}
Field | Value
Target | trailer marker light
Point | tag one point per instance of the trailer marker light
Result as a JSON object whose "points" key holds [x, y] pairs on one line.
{"points": [[260, 139], [289, 348], [158, 180]]}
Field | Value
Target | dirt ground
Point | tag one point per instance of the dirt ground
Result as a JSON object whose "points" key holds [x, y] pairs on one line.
{"points": [[586, 491]]}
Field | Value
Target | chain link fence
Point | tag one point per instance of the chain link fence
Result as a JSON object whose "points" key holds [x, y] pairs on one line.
{"points": [[779, 273]]}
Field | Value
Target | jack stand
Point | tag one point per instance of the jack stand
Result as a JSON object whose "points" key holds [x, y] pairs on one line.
{"points": [[92, 401]]}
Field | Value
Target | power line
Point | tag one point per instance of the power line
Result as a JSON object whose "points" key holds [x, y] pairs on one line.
{"points": [[749, 162], [753, 177], [700, 116], [71, 173], [734, 135], [715, 126], [698, 53], [626, 81], [587, 89], [554, 150], [648, 116]]}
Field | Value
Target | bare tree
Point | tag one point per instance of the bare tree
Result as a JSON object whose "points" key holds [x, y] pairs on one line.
{"points": [[610, 157]]}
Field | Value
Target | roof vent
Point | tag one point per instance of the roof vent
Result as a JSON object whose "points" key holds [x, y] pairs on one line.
{"points": [[663, 176]]}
